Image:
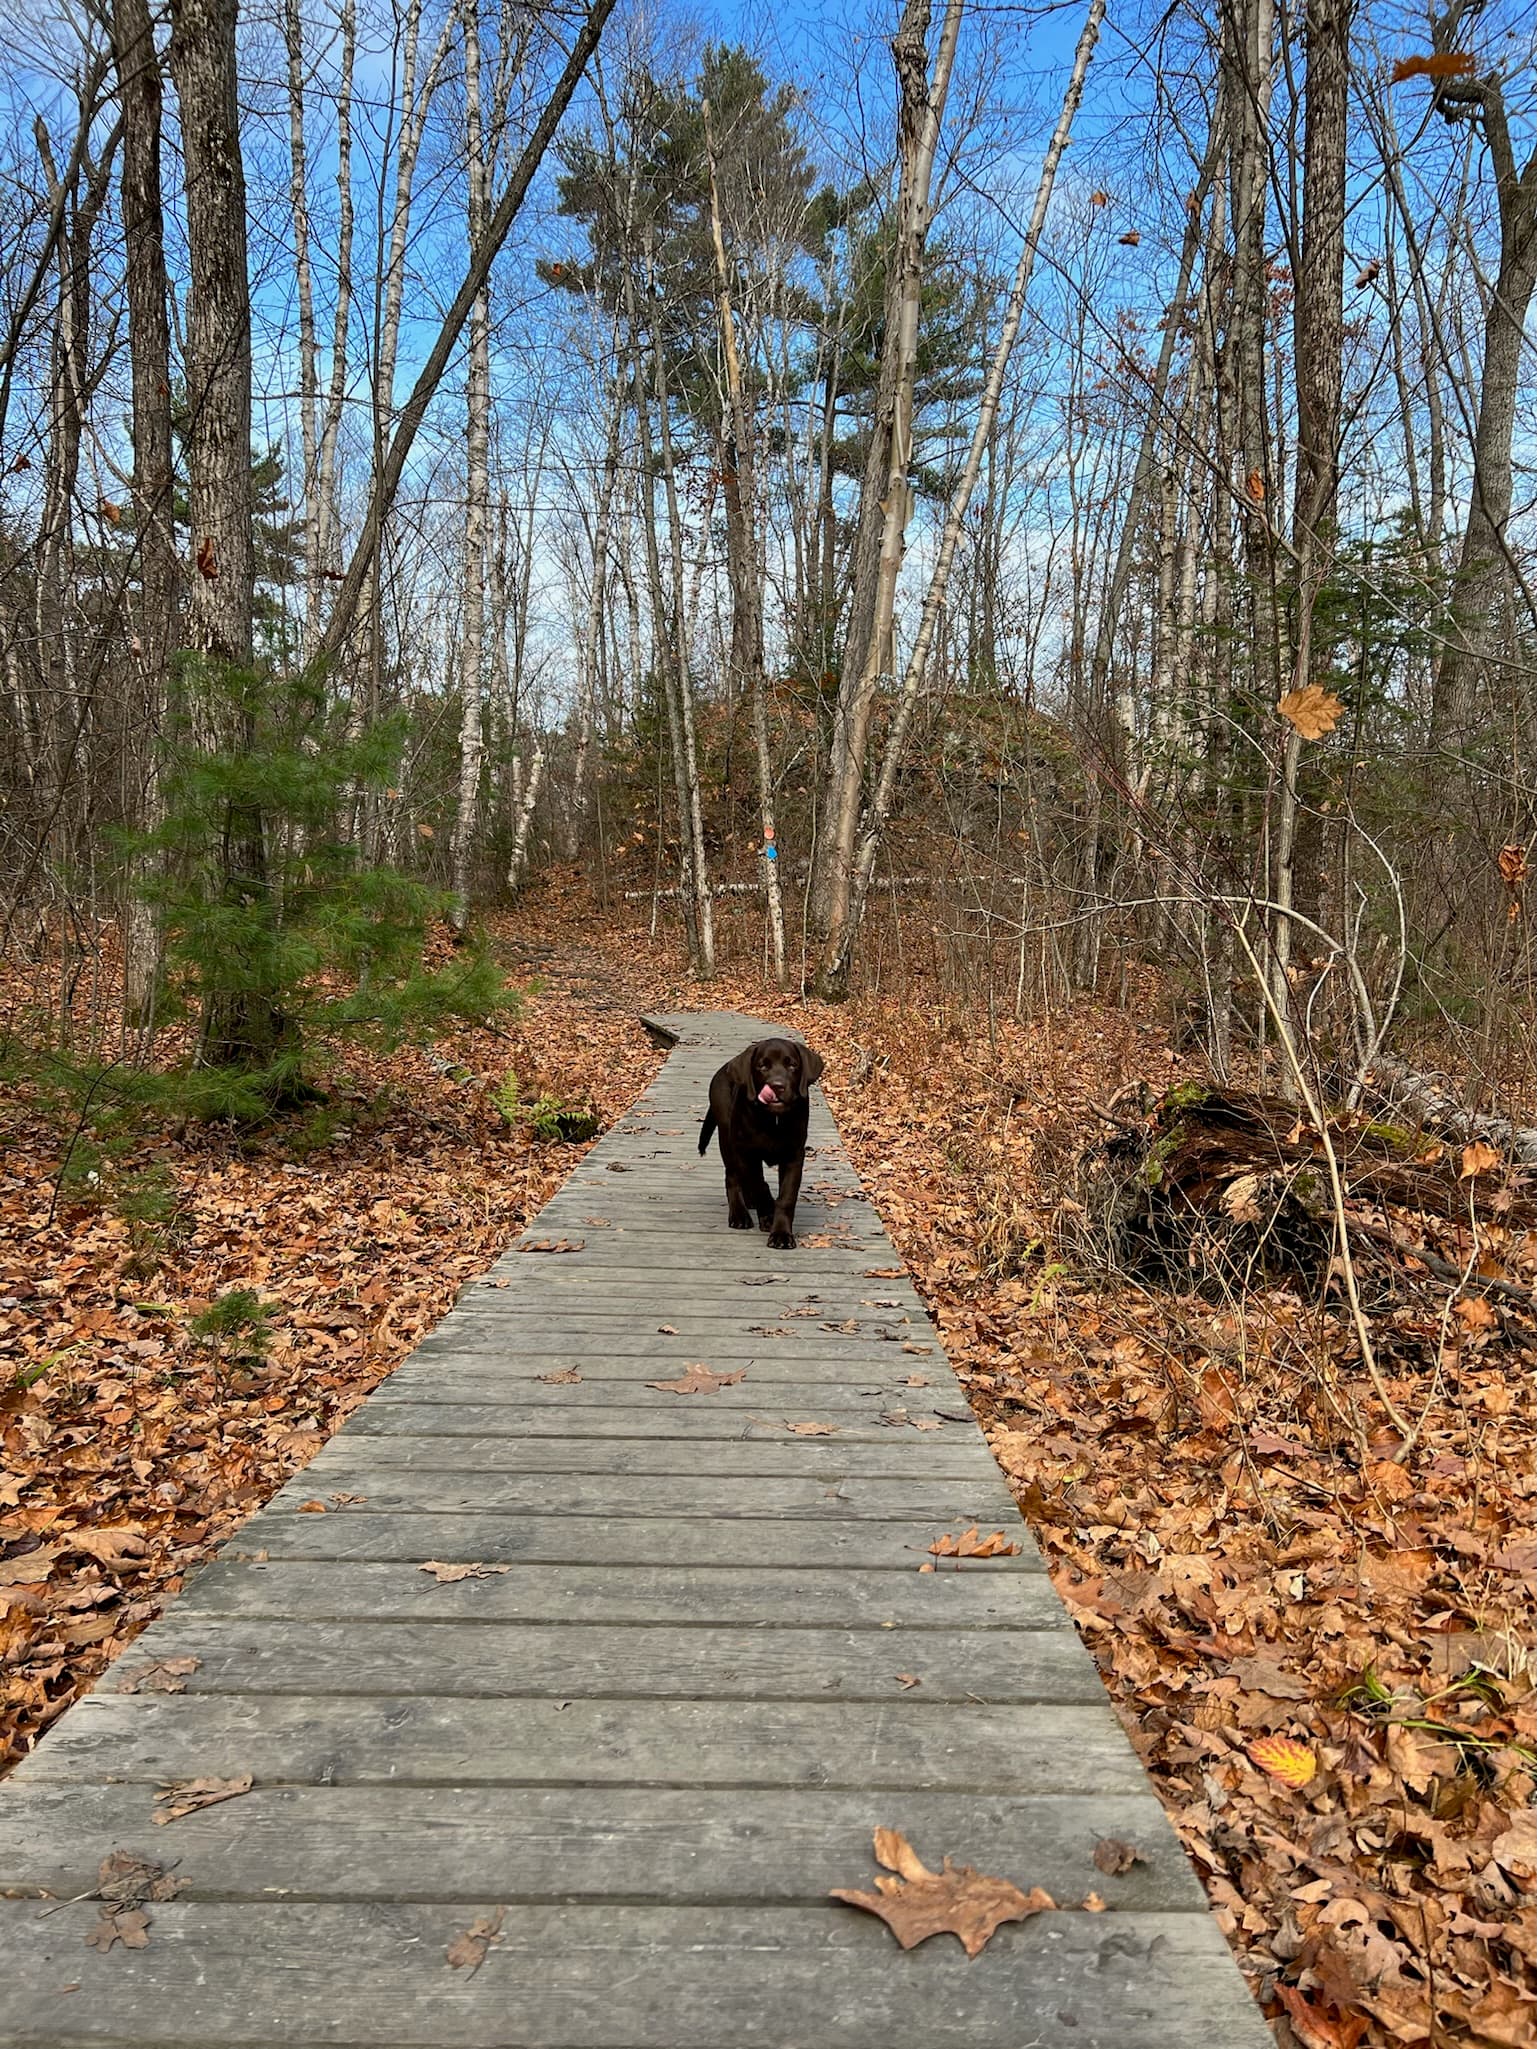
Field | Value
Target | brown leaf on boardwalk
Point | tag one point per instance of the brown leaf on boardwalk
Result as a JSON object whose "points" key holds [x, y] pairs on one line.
{"points": [[1114, 1857], [467, 1952], [447, 1575], [166, 1675], [125, 1878], [907, 1680], [916, 1902], [1093, 1904], [812, 1429], [970, 1544], [566, 1377], [553, 1245], [667, 1330], [1313, 711], [186, 1796], [698, 1380], [127, 1925], [884, 1273], [310, 1508]]}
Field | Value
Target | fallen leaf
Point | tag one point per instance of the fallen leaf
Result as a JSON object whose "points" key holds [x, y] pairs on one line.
{"points": [[467, 1952], [812, 1429], [310, 1508], [1476, 1312], [1321, 2027], [122, 1549], [1093, 1904], [128, 1925], [126, 1878], [1264, 1675], [698, 1380], [667, 1330], [1312, 711], [167, 1675], [447, 1575], [884, 1273], [959, 1900], [29, 1567], [566, 1377], [971, 1545], [907, 1680], [1114, 1857], [1290, 1762], [553, 1245], [1477, 1158], [187, 1796]]}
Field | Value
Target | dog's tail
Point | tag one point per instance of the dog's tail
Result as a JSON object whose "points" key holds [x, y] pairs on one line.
{"points": [[706, 1131]]}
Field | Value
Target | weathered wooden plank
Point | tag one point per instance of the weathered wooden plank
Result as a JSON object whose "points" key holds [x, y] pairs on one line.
{"points": [[857, 1394], [510, 1660], [617, 1417], [677, 1846], [365, 1530], [738, 1596], [616, 1977], [892, 1747], [670, 1444], [449, 1440], [441, 1483]]}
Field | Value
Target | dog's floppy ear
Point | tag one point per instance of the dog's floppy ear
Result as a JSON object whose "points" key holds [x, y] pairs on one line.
{"points": [[740, 1069], [811, 1069]]}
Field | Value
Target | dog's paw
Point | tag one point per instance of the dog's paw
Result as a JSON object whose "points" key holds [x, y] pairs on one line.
{"points": [[781, 1241], [742, 1222], [766, 1220]]}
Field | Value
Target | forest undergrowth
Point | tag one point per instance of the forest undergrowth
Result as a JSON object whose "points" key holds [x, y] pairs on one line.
{"points": [[1315, 1625]]}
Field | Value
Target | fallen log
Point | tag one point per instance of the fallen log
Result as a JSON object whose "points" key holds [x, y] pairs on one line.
{"points": [[1429, 1099], [1229, 1188]]}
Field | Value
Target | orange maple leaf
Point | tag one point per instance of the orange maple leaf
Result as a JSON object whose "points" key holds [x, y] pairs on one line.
{"points": [[1313, 711]]}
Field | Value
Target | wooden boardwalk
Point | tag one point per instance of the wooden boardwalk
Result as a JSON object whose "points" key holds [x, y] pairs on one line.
{"points": [[655, 1740]]}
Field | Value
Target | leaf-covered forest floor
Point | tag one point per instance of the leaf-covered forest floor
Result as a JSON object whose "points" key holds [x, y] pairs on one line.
{"points": [[1320, 1647]]}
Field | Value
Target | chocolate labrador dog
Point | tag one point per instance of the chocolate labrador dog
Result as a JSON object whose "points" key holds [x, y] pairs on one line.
{"points": [[760, 1104]]}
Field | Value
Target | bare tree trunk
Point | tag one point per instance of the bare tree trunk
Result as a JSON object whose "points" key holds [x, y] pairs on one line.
{"points": [[523, 820], [1482, 616], [149, 346], [837, 968], [240, 1027], [691, 822], [590, 653], [477, 486], [309, 359], [743, 568], [336, 396], [392, 465], [1318, 329], [884, 490]]}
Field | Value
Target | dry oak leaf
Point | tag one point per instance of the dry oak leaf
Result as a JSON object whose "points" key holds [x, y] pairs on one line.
{"points": [[916, 1903], [1094, 1904], [1114, 1857], [698, 1380], [447, 1575], [553, 1245], [29, 1567], [310, 1508], [120, 1550], [186, 1796], [166, 1675], [972, 1545], [812, 1429], [1476, 1313], [884, 1273], [1290, 1762], [1320, 2027], [126, 1878], [1313, 711], [566, 1377], [667, 1330], [1512, 865], [468, 1951], [128, 1925], [1477, 1158]]}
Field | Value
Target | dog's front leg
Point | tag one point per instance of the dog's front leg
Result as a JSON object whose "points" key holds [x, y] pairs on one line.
{"points": [[738, 1215], [782, 1229]]}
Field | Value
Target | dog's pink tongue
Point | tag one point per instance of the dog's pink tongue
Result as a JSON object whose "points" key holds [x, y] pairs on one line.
{"points": [[766, 1094]]}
